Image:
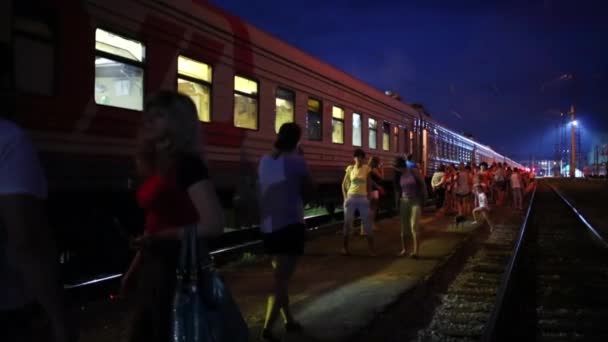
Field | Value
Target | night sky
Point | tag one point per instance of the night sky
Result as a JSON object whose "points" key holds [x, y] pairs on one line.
{"points": [[500, 70]]}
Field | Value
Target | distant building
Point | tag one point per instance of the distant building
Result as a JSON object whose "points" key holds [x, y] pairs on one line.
{"points": [[597, 158]]}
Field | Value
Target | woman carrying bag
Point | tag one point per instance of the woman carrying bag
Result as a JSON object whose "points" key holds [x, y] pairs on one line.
{"points": [[176, 193]]}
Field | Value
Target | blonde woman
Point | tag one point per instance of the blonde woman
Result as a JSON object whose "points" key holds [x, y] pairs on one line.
{"points": [[356, 187], [176, 192]]}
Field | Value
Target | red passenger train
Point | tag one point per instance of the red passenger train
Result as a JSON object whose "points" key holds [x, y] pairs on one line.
{"points": [[82, 69]]}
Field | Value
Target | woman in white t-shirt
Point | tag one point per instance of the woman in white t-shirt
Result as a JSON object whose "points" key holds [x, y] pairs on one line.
{"points": [[284, 182], [24, 230]]}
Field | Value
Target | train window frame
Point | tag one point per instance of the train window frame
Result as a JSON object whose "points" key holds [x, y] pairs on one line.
{"points": [[386, 134], [293, 105], [123, 60], [337, 119], [41, 32], [199, 81], [256, 97], [309, 119], [360, 129], [369, 131]]}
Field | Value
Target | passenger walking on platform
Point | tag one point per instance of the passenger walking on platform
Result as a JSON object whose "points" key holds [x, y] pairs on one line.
{"points": [[463, 191], [398, 164], [516, 188], [476, 176], [449, 181], [484, 175], [482, 208], [531, 182], [509, 188], [284, 183], [176, 193], [500, 184], [437, 183], [29, 268], [413, 196], [356, 187], [377, 176]]}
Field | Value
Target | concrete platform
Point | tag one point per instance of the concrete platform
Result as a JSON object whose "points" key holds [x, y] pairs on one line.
{"points": [[333, 296]]}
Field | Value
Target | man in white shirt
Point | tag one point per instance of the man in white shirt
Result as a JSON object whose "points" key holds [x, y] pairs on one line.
{"points": [[29, 271]]}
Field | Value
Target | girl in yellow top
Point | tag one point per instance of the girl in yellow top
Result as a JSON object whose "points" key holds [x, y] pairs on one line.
{"points": [[356, 187]]}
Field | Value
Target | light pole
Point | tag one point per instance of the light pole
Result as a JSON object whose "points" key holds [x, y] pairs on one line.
{"points": [[573, 125]]}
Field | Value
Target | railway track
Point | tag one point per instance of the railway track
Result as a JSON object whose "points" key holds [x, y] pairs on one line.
{"points": [[545, 281]]}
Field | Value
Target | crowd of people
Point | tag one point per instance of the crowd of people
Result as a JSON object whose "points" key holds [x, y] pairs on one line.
{"points": [[176, 192], [466, 189]]}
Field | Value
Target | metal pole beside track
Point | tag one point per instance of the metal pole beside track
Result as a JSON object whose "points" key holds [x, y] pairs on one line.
{"points": [[572, 143]]}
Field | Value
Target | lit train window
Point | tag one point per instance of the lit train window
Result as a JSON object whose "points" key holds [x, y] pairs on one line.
{"points": [[337, 125], [373, 133], [245, 103], [119, 72], [357, 129], [314, 122], [284, 108], [194, 80], [194, 69], [386, 136]]}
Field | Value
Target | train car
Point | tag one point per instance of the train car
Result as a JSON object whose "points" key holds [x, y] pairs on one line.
{"points": [[81, 71]]}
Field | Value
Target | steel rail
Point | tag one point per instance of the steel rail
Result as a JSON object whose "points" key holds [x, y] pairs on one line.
{"points": [[489, 331], [581, 218]]}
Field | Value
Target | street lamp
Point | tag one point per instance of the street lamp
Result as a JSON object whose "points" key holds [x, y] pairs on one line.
{"points": [[572, 143]]}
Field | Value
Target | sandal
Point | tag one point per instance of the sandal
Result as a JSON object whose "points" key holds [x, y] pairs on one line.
{"points": [[268, 336], [293, 326]]}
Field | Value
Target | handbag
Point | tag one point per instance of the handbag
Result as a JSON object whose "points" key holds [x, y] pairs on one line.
{"points": [[203, 309]]}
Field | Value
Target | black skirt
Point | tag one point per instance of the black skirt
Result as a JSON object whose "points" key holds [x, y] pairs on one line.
{"points": [[288, 241]]}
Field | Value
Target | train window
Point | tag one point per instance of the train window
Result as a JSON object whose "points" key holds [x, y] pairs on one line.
{"points": [[357, 129], [119, 73], [313, 120], [386, 136], [284, 108], [194, 80], [396, 138], [245, 103], [373, 130], [194, 69], [119, 46], [337, 125]]}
